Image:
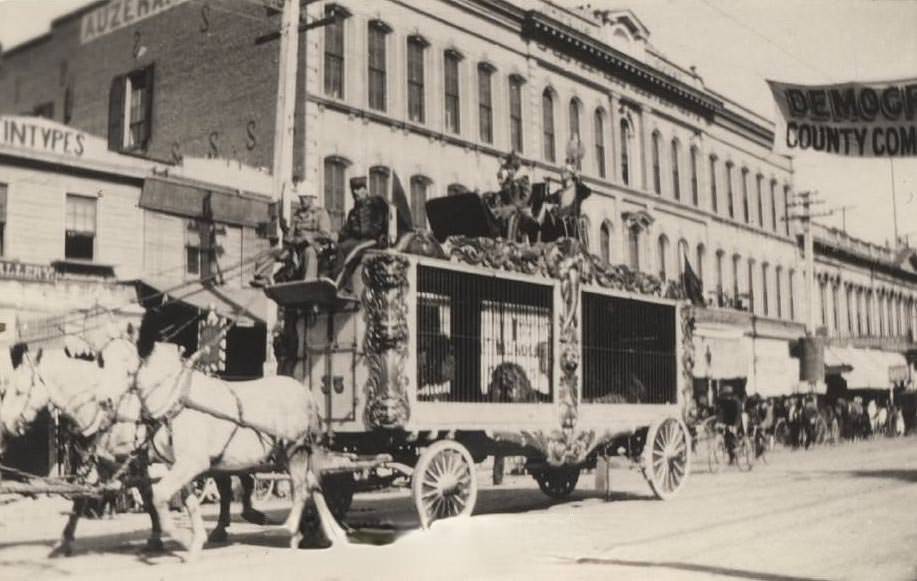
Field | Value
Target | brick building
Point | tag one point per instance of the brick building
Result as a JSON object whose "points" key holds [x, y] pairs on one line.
{"points": [[81, 227]]}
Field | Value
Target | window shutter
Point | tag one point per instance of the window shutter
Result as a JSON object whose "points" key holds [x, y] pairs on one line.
{"points": [[148, 122], [116, 114]]}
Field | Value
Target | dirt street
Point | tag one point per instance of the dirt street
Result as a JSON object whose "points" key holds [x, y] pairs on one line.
{"points": [[845, 512]]}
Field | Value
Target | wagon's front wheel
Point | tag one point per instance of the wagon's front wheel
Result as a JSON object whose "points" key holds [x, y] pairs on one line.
{"points": [[444, 482], [667, 457]]}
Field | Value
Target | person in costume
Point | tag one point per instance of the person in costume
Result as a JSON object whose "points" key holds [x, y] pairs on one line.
{"points": [[560, 217]]}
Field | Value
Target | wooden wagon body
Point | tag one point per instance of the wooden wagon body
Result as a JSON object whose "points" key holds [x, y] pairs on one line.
{"points": [[502, 349]]}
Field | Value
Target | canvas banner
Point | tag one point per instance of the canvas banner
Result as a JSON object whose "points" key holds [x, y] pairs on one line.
{"points": [[876, 119]]}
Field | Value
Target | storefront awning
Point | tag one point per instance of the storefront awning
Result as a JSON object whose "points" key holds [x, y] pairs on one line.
{"points": [[247, 306], [184, 198], [870, 368]]}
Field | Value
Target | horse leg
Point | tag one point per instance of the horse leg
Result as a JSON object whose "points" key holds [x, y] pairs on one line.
{"points": [[224, 486], [154, 542], [198, 532], [297, 466], [333, 531], [179, 475], [249, 512], [65, 545]]}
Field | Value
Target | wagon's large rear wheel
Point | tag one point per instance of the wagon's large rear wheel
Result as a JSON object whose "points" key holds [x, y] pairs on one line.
{"points": [[667, 457], [444, 482], [557, 482]]}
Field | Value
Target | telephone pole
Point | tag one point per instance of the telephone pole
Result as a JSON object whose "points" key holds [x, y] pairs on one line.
{"points": [[283, 147]]}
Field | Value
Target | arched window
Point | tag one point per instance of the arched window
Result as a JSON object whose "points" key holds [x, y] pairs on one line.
{"points": [[605, 241], [714, 203], [701, 257], [834, 311], [695, 195], [335, 189], [416, 92], [759, 179], [751, 285], [334, 52], [791, 282], [625, 151], [575, 133], [515, 112], [730, 193], [485, 102], [657, 170], [378, 31], [719, 272], [676, 179], [778, 283], [681, 257], [456, 189], [451, 60], [420, 191], [575, 107], [663, 250], [736, 259], [378, 181], [547, 124], [774, 205], [600, 142], [764, 294], [745, 209], [850, 310], [786, 209], [633, 247]]}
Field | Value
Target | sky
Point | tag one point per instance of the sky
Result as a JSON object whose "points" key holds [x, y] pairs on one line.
{"points": [[736, 45]]}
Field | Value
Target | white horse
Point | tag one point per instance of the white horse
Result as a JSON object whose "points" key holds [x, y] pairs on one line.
{"points": [[215, 426], [104, 412]]}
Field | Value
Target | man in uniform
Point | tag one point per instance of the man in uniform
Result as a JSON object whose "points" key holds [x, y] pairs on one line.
{"points": [[366, 227], [308, 237]]}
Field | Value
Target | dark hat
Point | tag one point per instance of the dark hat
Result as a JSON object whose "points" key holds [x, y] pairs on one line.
{"points": [[357, 183]]}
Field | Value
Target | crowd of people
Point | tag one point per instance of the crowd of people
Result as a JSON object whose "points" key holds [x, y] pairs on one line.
{"points": [[798, 421]]}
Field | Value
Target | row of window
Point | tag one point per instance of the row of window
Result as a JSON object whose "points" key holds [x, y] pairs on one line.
{"points": [[868, 312], [417, 46]]}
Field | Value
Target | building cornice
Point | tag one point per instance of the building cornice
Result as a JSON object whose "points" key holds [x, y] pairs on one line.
{"points": [[543, 29]]}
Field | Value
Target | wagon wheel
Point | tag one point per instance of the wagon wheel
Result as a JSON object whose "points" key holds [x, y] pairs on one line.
{"points": [[264, 488], [782, 432], [557, 482], [745, 454], [821, 430], [338, 489], [716, 453], [835, 431], [444, 483], [666, 457]]}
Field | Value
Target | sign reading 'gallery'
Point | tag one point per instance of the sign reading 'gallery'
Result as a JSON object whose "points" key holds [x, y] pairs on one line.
{"points": [[853, 119], [118, 14]]}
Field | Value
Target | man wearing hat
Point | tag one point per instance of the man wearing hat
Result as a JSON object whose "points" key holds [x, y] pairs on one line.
{"points": [[366, 226], [308, 237], [729, 414]]}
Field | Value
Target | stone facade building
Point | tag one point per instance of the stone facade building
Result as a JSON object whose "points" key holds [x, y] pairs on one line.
{"points": [[437, 93]]}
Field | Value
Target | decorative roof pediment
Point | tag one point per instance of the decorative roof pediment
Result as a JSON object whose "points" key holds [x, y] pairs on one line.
{"points": [[627, 19]]}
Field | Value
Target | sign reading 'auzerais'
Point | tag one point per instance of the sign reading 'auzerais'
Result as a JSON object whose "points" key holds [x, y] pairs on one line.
{"points": [[118, 14], [853, 119]]}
